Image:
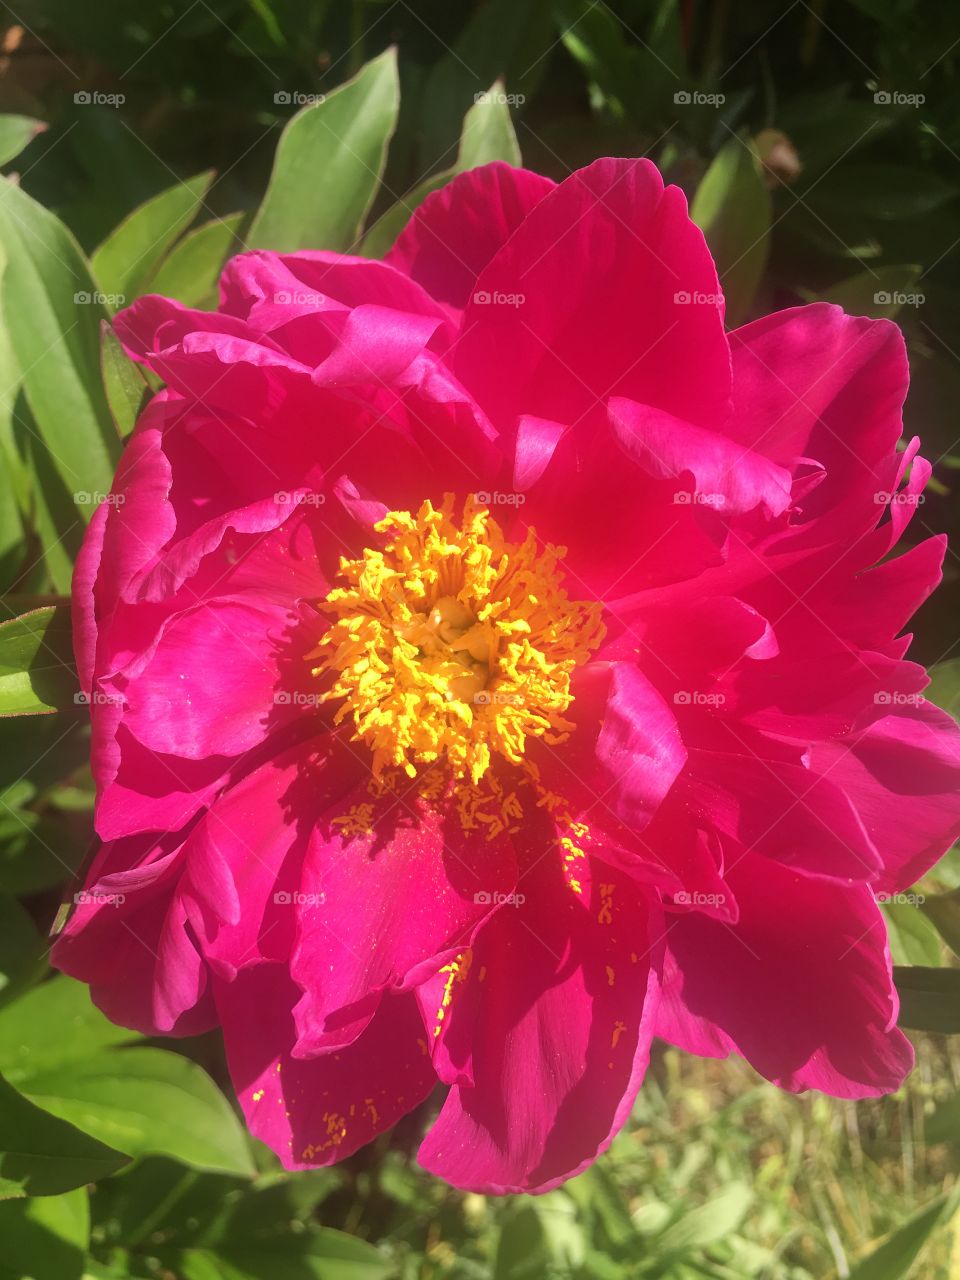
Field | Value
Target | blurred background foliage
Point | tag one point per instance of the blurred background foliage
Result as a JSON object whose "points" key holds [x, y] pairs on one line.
{"points": [[819, 143]]}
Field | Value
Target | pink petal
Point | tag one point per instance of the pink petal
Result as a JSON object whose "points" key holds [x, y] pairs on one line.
{"points": [[457, 230], [555, 1018], [800, 986], [316, 1112]]}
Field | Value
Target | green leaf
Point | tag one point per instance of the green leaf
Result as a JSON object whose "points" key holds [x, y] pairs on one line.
{"points": [[37, 675], [488, 132], [705, 1225], [122, 381], [929, 998], [15, 133], [191, 269], [487, 135], [944, 910], [147, 1101], [41, 1155], [328, 164], [732, 207], [132, 252], [501, 38], [47, 1238], [21, 951], [322, 1254], [944, 686], [54, 1024], [894, 1259], [52, 314], [880, 293], [913, 939], [37, 851]]}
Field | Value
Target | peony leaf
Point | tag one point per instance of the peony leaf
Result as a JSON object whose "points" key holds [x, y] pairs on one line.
{"points": [[16, 132], [54, 1024], [913, 939], [733, 209], [323, 1254], [487, 135], [328, 164], [122, 381], [46, 1238], [146, 1101], [125, 262], [879, 293], [929, 998], [191, 269], [52, 314], [41, 1155], [37, 675], [944, 910], [894, 1259]]}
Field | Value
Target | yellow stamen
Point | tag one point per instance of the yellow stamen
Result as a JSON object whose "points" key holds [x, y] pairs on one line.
{"points": [[452, 644]]}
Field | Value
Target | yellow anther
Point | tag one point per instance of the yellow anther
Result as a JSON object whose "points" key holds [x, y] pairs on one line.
{"points": [[449, 643]]}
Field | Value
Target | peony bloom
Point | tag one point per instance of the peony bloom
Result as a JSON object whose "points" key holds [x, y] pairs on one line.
{"points": [[493, 664]]}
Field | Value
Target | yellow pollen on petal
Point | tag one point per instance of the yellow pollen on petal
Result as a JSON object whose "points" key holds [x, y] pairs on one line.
{"points": [[450, 644], [456, 972]]}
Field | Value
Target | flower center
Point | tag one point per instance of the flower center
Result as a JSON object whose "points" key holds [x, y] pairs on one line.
{"points": [[450, 643]]}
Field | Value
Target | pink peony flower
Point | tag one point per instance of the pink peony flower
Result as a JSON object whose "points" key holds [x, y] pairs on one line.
{"points": [[493, 664]]}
